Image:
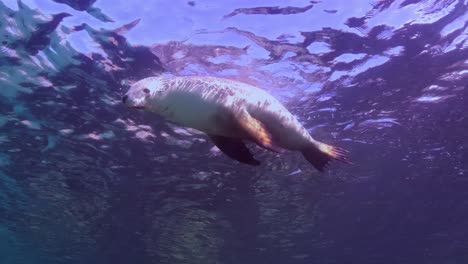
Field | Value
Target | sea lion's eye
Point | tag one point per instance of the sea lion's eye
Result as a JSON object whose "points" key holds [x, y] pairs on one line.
{"points": [[146, 91]]}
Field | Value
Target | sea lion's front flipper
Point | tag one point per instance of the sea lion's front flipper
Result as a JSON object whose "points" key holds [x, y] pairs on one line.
{"points": [[235, 149], [257, 131]]}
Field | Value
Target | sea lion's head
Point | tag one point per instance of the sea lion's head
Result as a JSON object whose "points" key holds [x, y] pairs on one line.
{"points": [[145, 93]]}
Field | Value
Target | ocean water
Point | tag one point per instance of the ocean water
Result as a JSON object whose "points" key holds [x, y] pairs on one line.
{"points": [[84, 179]]}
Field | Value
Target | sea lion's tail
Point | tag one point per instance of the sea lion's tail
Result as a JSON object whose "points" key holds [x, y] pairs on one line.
{"points": [[320, 154]]}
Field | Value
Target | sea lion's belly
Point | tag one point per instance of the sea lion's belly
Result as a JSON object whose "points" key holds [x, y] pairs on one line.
{"points": [[199, 112]]}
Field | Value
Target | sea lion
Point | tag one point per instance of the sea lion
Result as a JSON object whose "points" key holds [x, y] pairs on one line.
{"points": [[230, 112]]}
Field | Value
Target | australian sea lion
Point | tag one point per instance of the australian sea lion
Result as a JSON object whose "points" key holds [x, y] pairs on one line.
{"points": [[230, 112]]}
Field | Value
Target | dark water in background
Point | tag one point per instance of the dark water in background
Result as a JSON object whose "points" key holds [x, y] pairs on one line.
{"points": [[85, 180]]}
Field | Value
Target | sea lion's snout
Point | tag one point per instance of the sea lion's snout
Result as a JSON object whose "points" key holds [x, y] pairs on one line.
{"points": [[130, 102]]}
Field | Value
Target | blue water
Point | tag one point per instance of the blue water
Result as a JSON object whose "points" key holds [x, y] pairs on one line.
{"points": [[83, 179]]}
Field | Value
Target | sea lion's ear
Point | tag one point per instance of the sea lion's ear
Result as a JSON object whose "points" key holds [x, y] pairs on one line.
{"points": [[257, 131]]}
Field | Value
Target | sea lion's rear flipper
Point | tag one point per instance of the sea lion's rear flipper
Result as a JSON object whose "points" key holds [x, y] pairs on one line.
{"points": [[257, 131], [235, 149], [320, 154]]}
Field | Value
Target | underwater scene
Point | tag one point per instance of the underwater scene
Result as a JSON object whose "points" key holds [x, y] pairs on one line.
{"points": [[234, 132]]}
